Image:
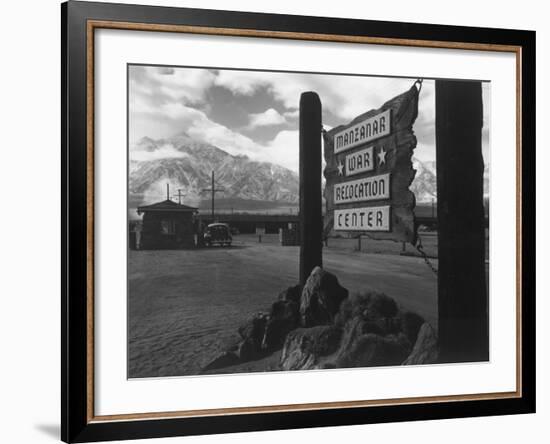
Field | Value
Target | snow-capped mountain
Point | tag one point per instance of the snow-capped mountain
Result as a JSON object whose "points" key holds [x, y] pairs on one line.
{"points": [[424, 185], [187, 164]]}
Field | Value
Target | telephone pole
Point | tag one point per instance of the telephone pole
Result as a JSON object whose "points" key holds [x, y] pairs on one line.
{"points": [[213, 190], [180, 195]]}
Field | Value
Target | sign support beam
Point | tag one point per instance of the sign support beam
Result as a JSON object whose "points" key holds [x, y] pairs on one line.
{"points": [[462, 286], [311, 217]]}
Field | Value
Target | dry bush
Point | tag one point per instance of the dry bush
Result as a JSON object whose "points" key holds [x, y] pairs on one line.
{"points": [[371, 303]]}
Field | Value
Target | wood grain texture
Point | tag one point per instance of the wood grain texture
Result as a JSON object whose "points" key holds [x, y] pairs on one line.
{"points": [[301, 36]]}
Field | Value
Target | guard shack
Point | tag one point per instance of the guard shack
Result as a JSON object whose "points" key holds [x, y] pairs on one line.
{"points": [[167, 225]]}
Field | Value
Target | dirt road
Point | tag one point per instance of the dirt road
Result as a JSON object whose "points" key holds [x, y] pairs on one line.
{"points": [[186, 305]]}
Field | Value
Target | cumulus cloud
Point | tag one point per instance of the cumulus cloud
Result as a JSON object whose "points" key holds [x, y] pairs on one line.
{"points": [[292, 114], [228, 140], [345, 97], [169, 84], [241, 82], [165, 101], [166, 151], [283, 150], [270, 117]]}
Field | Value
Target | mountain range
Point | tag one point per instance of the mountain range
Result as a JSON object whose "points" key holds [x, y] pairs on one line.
{"points": [[186, 165]]}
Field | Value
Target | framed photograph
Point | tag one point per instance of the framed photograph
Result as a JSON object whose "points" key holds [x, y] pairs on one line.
{"points": [[275, 221]]}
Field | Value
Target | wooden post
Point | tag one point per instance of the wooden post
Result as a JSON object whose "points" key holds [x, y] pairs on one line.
{"points": [[213, 194], [462, 290], [311, 218]]}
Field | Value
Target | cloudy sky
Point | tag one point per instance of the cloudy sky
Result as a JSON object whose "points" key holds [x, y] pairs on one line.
{"points": [[255, 113]]}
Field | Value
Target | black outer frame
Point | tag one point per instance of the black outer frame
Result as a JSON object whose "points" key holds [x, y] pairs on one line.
{"points": [[74, 423]]}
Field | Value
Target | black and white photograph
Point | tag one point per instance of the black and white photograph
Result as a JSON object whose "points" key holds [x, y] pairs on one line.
{"points": [[283, 221], [263, 222]]}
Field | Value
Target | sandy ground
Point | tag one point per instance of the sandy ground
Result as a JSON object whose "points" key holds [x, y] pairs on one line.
{"points": [[185, 305]]}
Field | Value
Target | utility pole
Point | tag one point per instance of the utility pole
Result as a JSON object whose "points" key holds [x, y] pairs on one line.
{"points": [[213, 190], [180, 195], [167, 191]]}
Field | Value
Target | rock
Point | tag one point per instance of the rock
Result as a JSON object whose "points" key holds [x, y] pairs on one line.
{"points": [[410, 324], [283, 318], [224, 359], [291, 294], [321, 298], [305, 347], [352, 330], [248, 350], [425, 350], [284, 309], [373, 350], [253, 330]]}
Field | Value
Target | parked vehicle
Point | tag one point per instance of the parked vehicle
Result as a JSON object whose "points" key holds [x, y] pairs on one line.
{"points": [[217, 234]]}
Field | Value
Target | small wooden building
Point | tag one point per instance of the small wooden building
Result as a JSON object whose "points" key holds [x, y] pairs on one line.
{"points": [[167, 225]]}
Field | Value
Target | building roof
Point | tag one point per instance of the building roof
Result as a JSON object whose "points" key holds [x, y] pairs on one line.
{"points": [[166, 205]]}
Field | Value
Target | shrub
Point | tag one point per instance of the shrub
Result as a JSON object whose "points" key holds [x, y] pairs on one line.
{"points": [[376, 305]]}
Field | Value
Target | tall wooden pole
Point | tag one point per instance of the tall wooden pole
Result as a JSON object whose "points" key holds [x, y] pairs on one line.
{"points": [[462, 285], [212, 190], [213, 193], [311, 218]]}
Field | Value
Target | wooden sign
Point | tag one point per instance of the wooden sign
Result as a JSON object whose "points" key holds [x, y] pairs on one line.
{"points": [[369, 170]]}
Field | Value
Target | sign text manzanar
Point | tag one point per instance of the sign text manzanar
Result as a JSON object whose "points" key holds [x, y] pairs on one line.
{"points": [[369, 170]]}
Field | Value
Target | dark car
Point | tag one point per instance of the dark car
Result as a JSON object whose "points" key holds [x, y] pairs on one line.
{"points": [[217, 234]]}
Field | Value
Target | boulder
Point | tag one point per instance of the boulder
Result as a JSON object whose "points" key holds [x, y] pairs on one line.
{"points": [[291, 294], [253, 329], [410, 324], [248, 350], [305, 347], [425, 350], [224, 359], [321, 298], [370, 350], [283, 318]]}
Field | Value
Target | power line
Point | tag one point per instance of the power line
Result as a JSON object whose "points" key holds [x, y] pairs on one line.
{"points": [[213, 190], [180, 195]]}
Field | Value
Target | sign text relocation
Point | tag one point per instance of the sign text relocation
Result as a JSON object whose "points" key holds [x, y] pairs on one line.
{"points": [[363, 190]]}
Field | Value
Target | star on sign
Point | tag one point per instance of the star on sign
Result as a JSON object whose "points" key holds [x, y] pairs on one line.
{"points": [[381, 156], [341, 168]]}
